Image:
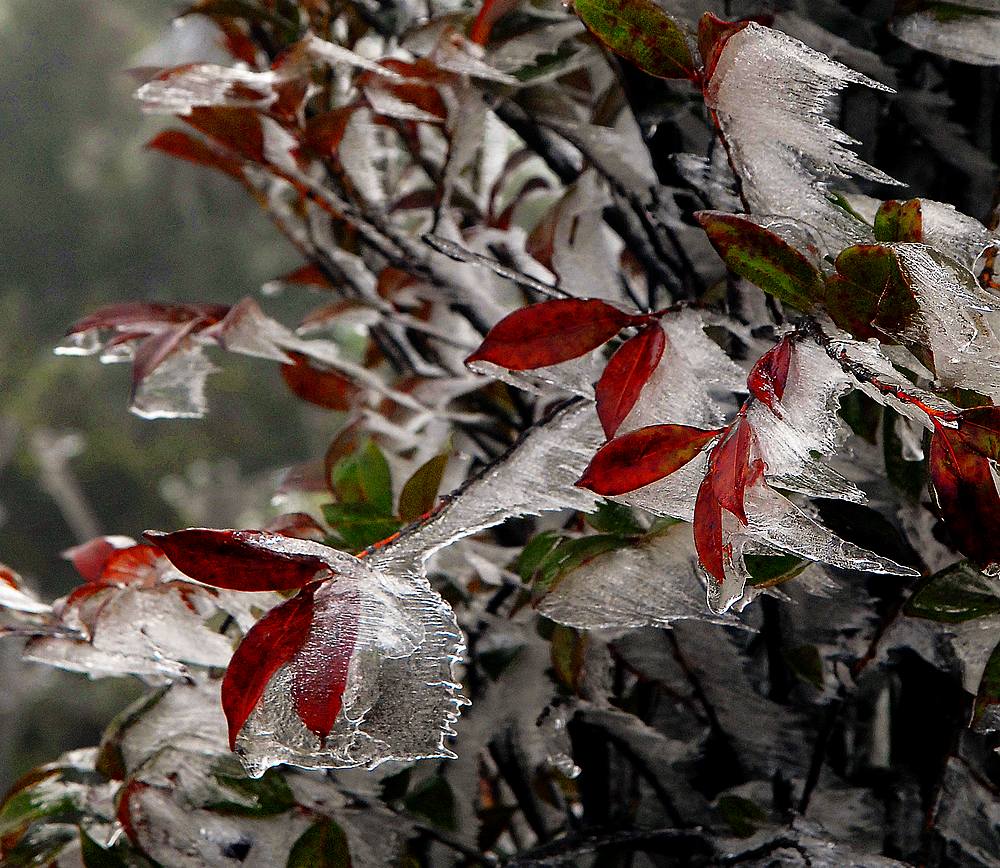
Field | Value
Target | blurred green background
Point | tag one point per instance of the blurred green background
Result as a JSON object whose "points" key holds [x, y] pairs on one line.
{"points": [[88, 218]]}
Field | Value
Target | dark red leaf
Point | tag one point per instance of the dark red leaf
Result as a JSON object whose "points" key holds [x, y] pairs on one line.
{"points": [[299, 525], [713, 34], [767, 378], [324, 388], [490, 12], [183, 146], [307, 275], [132, 565], [137, 316], [708, 530], [241, 560], [732, 470], [627, 372], [89, 558], [319, 669], [966, 495], [980, 430], [324, 132], [551, 332], [236, 129], [641, 457], [270, 644]]}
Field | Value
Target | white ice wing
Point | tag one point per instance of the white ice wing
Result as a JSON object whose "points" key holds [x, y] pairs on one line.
{"points": [[694, 382], [772, 95], [175, 389], [359, 153], [537, 475], [951, 319], [947, 229], [808, 426], [206, 84], [400, 698], [873, 359], [651, 585], [968, 38], [14, 597], [155, 632], [674, 495]]}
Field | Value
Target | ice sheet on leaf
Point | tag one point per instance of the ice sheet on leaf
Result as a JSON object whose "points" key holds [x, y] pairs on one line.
{"points": [[809, 425], [968, 38], [947, 229], [206, 84], [176, 387], [537, 475], [951, 319], [773, 95], [400, 697], [694, 382], [650, 585]]}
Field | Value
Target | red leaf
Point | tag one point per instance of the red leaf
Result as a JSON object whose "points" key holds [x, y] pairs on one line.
{"points": [[627, 372], [306, 275], [713, 34], [769, 376], [731, 469], [236, 129], [324, 388], [241, 560], [269, 645], [319, 670], [641, 457], [966, 495], [139, 316], [324, 132], [551, 332], [131, 565], [980, 430], [176, 143], [89, 558], [708, 530], [491, 12], [299, 525]]}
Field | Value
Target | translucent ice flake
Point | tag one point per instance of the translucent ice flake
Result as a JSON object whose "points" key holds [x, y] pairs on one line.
{"points": [[772, 95], [653, 584], [808, 427], [694, 381], [970, 37], [13, 596], [399, 696], [948, 230], [175, 389]]}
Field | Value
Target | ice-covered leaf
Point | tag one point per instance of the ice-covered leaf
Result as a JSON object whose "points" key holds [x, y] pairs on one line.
{"points": [[420, 492], [241, 560], [769, 375], [641, 32], [899, 221], [759, 255], [628, 370], [643, 456], [184, 146], [325, 388], [772, 96], [986, 712], [322, 845], [13, 595], [968, 32], [966, 491]]}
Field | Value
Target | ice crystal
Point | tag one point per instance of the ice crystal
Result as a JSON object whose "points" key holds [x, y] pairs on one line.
{"points": [[772, 95]]}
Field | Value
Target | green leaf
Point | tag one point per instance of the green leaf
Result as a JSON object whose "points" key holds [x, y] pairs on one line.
{"points": [[899, 221], [433, 799], [766, 571], [568, 650], [764, 258], [364, 477], [741, 815], [641, 32], [322, 845], [534, 552], [419, 494], [806, 663], [252, 797], [862, 414], [568, 555], [358, 525], [909, 477], [615, 518], [986, 711], [954, 595]]}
